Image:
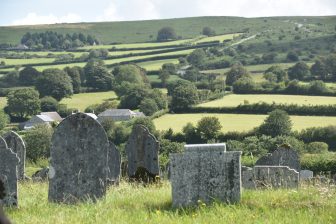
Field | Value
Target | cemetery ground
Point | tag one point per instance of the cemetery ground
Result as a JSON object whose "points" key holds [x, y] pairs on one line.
{"points": [[238, 122], [134, 203]]}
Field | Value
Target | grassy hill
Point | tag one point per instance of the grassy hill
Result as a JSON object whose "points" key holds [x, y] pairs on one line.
{"points": [[144, 31]]}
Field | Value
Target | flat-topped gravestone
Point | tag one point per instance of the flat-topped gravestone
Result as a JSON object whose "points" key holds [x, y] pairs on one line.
{"points": [[205, 175], [114, 165], [79, 160], [142, 150], [283, 156], [8, 175], [247, 177], [306, 174], [266, 177], [205, 147], [16, 144]]}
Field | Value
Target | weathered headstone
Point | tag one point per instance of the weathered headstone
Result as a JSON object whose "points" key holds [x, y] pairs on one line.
{"points": [[247, 177], [114, 165], [8, 175], [283, 156], [205, 147], [206, 175], [79, 160], [273, 177], [142, 151], [306, 174], [16, 144], [41, 174]]}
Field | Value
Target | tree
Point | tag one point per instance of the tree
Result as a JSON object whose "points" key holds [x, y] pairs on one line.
{"points": [[148, 106], [75, 74], [292, 56], [101, 79], [130, 73], [192, 74], [319, 69], [277, 123], [236, 72], [331, 65], [49, 103], [191, 134], [299, 71], [183, 97], [269, 57], [197, 57], [166, 33], [38, 141], [164, 76], [23, 102], [55, 83], [209, 127], [132, 98], [208, 31], [279, 74], [4, 119], [169, 67], [244, 85], [318, 87], [28, 76]]}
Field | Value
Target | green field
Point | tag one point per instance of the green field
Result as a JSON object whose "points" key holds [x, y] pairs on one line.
{"points": [[131, 203], [3, 102], [238, 122], [27, 61], [233, 100], [155, 78], [82, 100], [156, 65]]}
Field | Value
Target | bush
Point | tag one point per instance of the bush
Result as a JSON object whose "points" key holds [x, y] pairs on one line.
{"points": [[49, 103], [317, 147], [277, 123], [319, 162], [148, 106], [38, 142]]}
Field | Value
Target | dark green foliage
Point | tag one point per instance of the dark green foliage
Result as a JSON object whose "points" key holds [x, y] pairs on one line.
{"points": [[183, 97], [319, 69], [4, 119], [244, 85], [38, 141], [133, 97], [197, 57], [145, 121], [192, 74], [269, 57], [318, 87], [191, 134], [23, 103], [97, 76], [99, 108], [11, 79], [277, 123], [278, 72], [75, 74], [28, 76], [98, 53], [49, 103], [209, 127], [320, 134], [116, 133], [317, 147], [55, 83], [166, 33], [292, 56], [130, 73], [299, 71], [236, 72], [164, 75], [208, 31], [317, 163], [148, 106]]}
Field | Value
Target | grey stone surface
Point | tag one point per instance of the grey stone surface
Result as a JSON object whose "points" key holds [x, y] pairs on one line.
{"points": [[283, 156], [8, 175], [79, 160], [17, 145], [142, 150], [206, 176], [247, 177], [306, 174], [205, 147], [114, 164], [41, 174], [273, 177]]}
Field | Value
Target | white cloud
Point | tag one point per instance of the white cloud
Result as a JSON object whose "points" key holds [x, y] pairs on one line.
{"points": [[33, 18]]}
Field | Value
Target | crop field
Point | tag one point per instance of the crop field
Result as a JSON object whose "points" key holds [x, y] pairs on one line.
{"points": [[238, 122], [131, 203], [82, 100], [156, 65], [233, 100]]}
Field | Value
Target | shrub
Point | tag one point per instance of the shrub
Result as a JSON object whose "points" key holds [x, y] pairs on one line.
{"points": [[317, 147], [49, 103]]}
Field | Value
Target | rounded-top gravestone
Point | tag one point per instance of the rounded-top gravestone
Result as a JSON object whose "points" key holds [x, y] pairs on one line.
{"points": [[16, 144], [79, 160]]}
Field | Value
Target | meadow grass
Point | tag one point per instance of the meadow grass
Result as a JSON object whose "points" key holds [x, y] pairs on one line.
{"points": [[3, 102], [219, 38], [82, 100], [27, 61], [156, 65], [132, 203], [233, 100], [155, 78], [60, 66], [238, 122]]}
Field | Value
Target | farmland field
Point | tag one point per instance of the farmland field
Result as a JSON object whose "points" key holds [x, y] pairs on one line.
{"points": [[233, 100], [27, 61], [131, 203], [156, 65], [155, 78], [238, 122], [82, 100], [3, 102]]}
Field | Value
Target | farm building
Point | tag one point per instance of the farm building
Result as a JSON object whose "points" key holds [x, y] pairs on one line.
{"points": [[43, 118], [119, 115]]}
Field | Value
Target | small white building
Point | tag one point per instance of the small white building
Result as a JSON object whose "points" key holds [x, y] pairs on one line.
{"points": [[36, 120], [119, 115]]}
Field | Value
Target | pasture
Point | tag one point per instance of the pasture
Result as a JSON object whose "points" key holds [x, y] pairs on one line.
{"points": [[82, 100], [237, 122], [27, 61], [131, 203], [156, 65], [3, 102], [233, 100]]}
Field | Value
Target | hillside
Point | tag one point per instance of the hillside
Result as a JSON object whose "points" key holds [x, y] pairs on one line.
{"points": [[146, 31]]}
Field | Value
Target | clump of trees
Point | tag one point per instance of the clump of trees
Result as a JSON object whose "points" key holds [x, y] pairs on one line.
{"points": [[166, 34], [54, 40], [208, 31]]}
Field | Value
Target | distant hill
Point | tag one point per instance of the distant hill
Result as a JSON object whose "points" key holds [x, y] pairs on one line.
{"points": [[146, 31]]}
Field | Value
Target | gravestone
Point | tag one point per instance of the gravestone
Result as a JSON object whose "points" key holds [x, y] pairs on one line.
{"points": [[283, 156], [41, 175], [16, 144], [114, 165], [79, 160], [247, 177], [142, 150], [306, 174], [205, 147], [8, 175], [206, 175], [267, 177]]}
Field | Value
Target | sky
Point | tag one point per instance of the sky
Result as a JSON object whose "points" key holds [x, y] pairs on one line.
{"points": [[28, 12]]}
